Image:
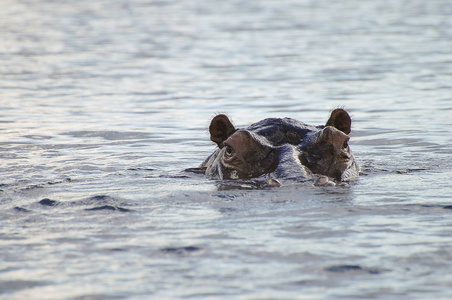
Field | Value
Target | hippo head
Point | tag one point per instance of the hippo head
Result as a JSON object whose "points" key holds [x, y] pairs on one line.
{"points": [[242, 154], [327, 151], [282, 148]]}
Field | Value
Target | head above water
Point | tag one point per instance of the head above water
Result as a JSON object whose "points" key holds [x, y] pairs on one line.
{"points": [[282, 149]]}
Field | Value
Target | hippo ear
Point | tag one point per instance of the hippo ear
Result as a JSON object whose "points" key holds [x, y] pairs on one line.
{"points": [[341, 120], [220, 129]]}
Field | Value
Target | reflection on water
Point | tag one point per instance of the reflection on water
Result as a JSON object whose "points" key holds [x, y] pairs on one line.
{"points": [[105, 104]]}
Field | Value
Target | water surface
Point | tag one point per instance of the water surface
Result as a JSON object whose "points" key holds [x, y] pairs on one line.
{"points": [[104, 104]]}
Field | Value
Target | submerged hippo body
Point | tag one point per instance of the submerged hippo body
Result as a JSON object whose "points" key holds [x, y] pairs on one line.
{"points": [[279, 150]]}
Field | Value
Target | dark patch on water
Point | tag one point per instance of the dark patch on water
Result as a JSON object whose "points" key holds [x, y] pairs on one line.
{"points": [[59, 181], [98, 297], [21, 209], [141, 169], [109, 207], [101, 198], [174, 176], [351, 268], [104, 202], [177, 176], [38, 137], [196, 170], [228, 210], [228, 185], [117, 250], [434, 206], [411, 170], [368, 169], [180, 250], [48, 202], [34, 186], [42, 185], [279, 201], [227, 197], [17, 285]]}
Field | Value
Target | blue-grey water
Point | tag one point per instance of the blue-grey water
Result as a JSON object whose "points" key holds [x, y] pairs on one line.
{"points": [[104, 104]]}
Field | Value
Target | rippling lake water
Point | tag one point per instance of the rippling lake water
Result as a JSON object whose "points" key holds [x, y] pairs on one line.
{"points": [[104, 104]]}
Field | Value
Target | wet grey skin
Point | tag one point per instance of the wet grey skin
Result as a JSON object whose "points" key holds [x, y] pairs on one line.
{"points": [[282, 150]]}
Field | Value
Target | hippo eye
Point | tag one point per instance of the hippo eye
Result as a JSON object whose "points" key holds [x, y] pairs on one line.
{"points": [[345, 145], [229, 150]]}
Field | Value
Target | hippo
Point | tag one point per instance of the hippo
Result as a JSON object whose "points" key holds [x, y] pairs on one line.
{"points": [[277, 151]]}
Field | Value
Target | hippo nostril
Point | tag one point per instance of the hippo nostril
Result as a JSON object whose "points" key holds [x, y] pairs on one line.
{"points": [[344, 155], [234, 175]]}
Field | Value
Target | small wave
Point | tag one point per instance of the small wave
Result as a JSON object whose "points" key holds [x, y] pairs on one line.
{"points": [[109, 207], [49, 202], [44, 184], [351, 268], [21, 209], [103, 202], [18, 285], [109, 135], [180, 250], [141, 169], [195, 170]]}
